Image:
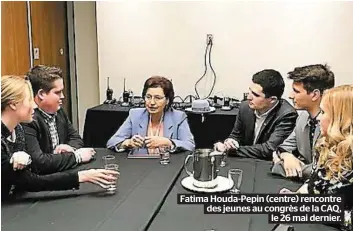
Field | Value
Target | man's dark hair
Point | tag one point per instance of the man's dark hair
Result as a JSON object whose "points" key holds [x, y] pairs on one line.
{"points": [[271, 82], [42, 77], [162, 82], [313, 77]]}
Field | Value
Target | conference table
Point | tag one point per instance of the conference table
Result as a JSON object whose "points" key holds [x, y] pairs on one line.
{"points": [[146, 199], [104, 120], [256, 179], [142, 186]]}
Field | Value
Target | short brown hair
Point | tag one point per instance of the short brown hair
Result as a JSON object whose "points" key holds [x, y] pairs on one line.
{"points": [[162, 82], [42, 77], [313, 77]]}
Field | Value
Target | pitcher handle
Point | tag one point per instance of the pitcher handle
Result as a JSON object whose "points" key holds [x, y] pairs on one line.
{"points": [[185, 165]]}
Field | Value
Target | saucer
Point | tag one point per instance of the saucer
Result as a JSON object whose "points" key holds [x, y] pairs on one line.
{"points": [[212, 109], [224, 184], [205, 184]]}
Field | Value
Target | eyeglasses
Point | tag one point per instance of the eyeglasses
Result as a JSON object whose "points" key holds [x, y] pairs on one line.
{"points": [[156, 98]]}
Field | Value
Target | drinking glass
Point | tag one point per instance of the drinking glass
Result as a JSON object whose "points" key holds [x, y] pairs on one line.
{"points": [[108, 159], [236, 176], [164, 155], [111, 188]]}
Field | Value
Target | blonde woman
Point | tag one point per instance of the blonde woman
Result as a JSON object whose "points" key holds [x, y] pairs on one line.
{"points": [[17, 107], [332, 170]]}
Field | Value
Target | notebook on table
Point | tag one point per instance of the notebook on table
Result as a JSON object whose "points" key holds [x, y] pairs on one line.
{"points": [[143, 153]]}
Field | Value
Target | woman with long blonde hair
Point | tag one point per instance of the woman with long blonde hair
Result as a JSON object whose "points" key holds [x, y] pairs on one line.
{"points": [[336, 144], [332, 166], [16, 175]]}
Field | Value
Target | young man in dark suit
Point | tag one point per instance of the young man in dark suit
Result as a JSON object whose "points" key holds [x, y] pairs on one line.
{"points": [[264, 121], [51, 140]]}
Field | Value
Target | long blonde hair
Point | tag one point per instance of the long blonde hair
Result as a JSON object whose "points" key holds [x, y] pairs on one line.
{"points": [[13, 89], [336, 148]]}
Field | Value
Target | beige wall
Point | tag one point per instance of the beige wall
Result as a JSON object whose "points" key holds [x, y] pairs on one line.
{"points": [[86, 58], [140, 39]]}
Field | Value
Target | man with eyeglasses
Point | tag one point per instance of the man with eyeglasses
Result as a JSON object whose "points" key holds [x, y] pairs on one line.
{"points": [[264, 120], [293, 158]]}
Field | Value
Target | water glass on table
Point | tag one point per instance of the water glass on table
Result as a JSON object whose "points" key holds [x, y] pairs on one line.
{"points": [[223, 160], [110, 164], [111, 188], [236, 176], [164, 155], [108, 159]]}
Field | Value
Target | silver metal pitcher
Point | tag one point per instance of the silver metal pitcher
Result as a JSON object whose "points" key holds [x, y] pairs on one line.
{"points": [[206, 164]]}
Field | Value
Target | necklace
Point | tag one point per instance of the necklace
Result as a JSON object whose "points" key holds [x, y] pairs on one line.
{"points": [[157, 131]]}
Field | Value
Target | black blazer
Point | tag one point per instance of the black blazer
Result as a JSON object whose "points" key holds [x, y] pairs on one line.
{"points": [[25, 179], [39, 144], [278, 125]]}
